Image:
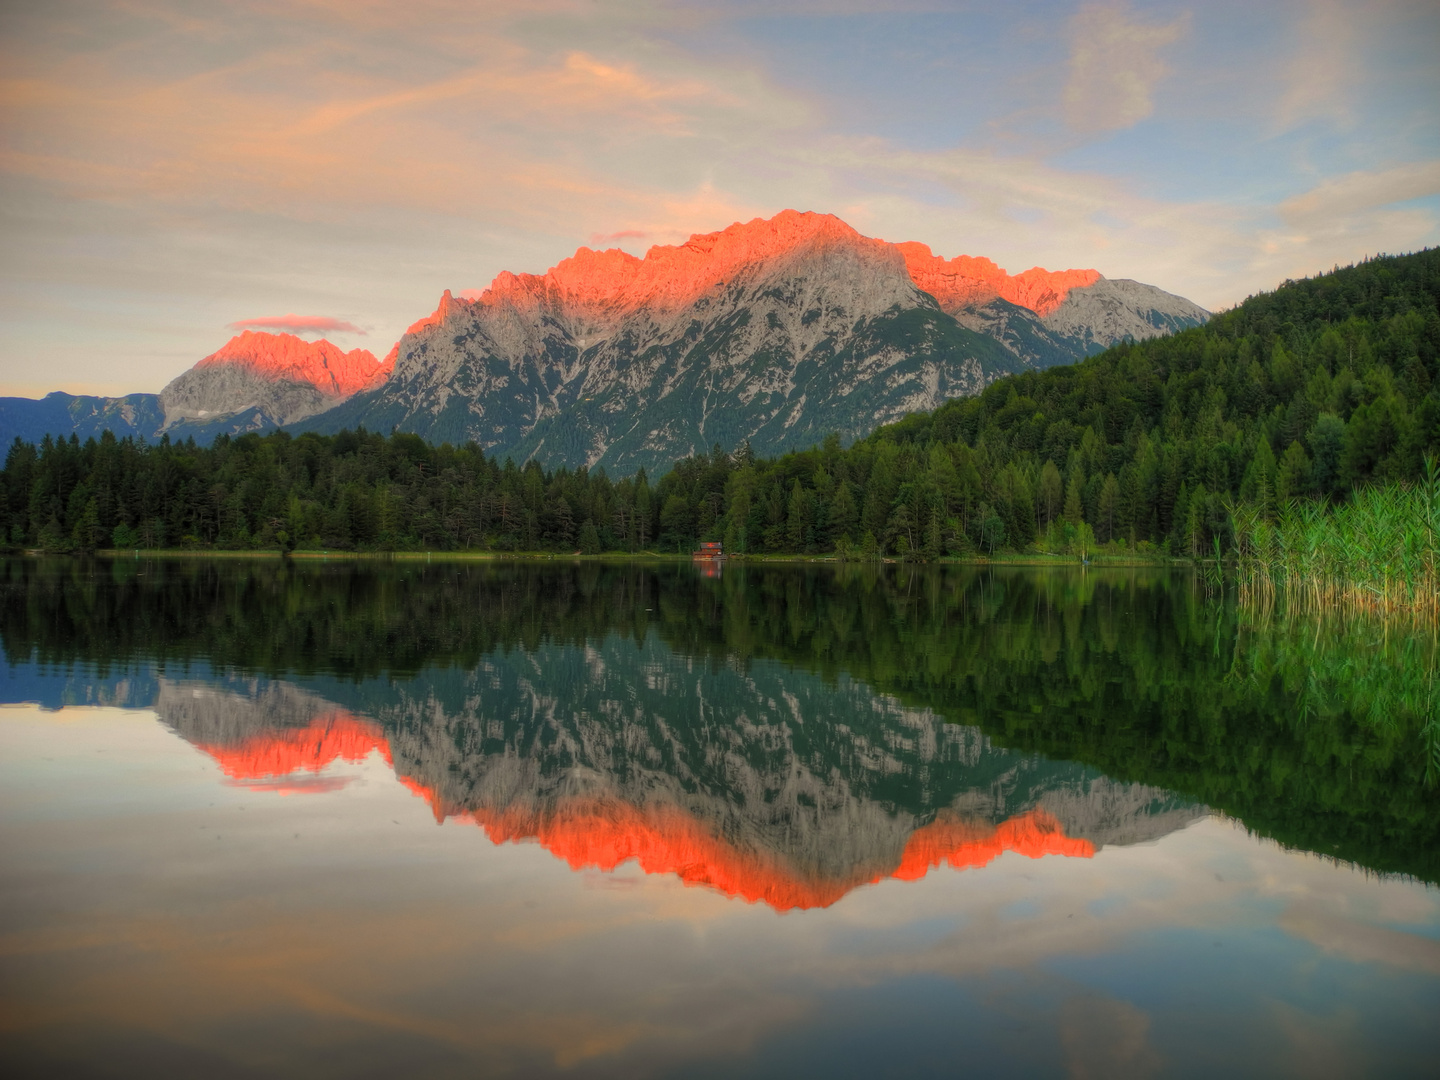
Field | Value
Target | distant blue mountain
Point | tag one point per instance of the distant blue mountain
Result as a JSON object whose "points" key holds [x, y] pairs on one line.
{"points": [[84, 415]]}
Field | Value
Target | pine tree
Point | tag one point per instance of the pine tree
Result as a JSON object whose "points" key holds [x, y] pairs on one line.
{"points": [[1109, 502], [1074, 513]]}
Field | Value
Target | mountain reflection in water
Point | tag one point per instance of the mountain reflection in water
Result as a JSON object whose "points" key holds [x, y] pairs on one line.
{"points": [[591, 820], [779, 734], [815, 743]]}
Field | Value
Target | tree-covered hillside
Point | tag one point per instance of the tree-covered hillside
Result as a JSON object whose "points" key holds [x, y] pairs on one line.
{"points": [[1321, 386], [1312, 390]]}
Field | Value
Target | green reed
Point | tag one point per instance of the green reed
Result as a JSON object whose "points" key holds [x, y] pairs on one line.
{"points": [[1378, 553], [1383, 673]]}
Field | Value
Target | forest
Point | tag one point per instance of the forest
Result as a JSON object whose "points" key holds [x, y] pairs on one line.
{"points": [[1323, 387]]}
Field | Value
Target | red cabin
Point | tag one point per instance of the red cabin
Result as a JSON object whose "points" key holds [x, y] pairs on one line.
{"points": [[709, 550]]}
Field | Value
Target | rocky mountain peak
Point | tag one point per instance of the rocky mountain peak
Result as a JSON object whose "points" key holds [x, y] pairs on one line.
{"points": [[260, 380], [776, 331], [966, 282], [320, 364], [670, 278], [447, 307]]}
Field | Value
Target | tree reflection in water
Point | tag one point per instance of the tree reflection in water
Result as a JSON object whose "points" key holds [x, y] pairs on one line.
{"points": [[727, 728]]}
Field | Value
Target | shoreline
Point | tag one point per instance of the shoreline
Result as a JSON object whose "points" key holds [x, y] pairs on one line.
{"points": [[1035, 560]]}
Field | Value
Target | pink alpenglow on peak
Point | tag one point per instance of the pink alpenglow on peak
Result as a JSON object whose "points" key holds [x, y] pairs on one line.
{"points": [[286, 357], [448, 306], [780, 330], [964, 282], [669, 277]]}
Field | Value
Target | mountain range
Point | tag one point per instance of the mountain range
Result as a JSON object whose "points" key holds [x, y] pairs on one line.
{"points": [[774, 331]]}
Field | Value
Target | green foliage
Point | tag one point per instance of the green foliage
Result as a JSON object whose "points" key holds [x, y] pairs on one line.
{"points": [[1321, 388], [354, 491]]}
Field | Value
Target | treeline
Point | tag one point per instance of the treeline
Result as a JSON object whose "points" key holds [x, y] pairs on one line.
{"points": [[1321, 387], [352, 491]]}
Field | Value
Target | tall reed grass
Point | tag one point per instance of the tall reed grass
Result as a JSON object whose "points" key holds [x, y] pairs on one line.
{"points": [[1377, 554]]}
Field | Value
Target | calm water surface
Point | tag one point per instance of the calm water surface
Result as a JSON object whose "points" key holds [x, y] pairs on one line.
{"points": [[369, 819]]}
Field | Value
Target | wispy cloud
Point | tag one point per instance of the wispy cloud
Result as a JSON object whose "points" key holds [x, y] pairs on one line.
{"points": [[1358, 191], [298, 324], [1115, 65], [623, 234], [1105, 1036], [1324, 64]]}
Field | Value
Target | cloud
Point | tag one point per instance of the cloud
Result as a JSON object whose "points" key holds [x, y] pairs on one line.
{"points": [[1324, 66], [1114, 67], [1023, 212], [315, 126], [623, 234], [1345, 217], [1364, 190], [1106, 1037], [298, 324], [1362, 943]]}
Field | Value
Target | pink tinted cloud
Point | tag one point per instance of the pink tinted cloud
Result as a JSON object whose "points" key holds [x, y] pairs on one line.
{"points": [[623, 234], [303, 785], [298, 324]]}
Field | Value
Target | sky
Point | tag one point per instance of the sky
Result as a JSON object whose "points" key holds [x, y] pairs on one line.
{"points": [[172, 172]]}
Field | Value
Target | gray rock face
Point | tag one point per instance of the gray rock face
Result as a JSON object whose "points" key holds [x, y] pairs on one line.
{"points": [[1106, 811], [826, 334], [1114, 310], [777, 332], [266, 380], [726, 750], [257, 403], [1021, 332], [211, 715], [255, 382]]}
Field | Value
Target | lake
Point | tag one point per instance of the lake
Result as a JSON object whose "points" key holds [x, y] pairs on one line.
{"points": [[609, 819]]}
